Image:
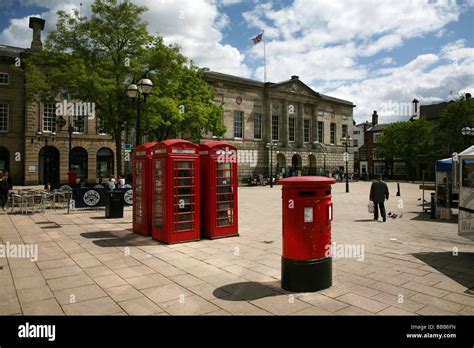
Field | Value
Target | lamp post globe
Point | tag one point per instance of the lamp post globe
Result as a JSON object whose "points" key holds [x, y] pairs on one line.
{"points": [[132, 90], [145, 86]]}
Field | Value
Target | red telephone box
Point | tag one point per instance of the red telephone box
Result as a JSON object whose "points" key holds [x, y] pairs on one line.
{"points": [[219, 190], [142, 184], [307, 216], [175, 192]]}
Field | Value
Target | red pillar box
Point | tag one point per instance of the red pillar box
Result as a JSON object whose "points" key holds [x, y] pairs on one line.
{"points": [[219, 190], [142, 184], [307, 216], [175, 193]]}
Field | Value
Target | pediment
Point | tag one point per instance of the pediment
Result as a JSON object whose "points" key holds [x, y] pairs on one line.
{"points": [[295, 86]]}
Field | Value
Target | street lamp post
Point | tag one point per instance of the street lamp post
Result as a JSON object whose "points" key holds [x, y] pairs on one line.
{"points": [[346, 141], [270, 145], [144, 87]]}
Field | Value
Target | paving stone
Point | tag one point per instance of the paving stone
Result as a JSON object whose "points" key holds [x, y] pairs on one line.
{"points": [[79, 294], [394, 311], [98, 271], [186, 280], [425, 289], [363, 302], [29, 282], [165, 293], [44, 307], [148, 281], [109, 281], [280, 305], [69, 282], [61, 272], [189, 305], [437, 302], [399, 302], [35, 294], [123, 293], [459, 298], [140, 306], [89, 262], [321, 301], [99, 306], [431, 310], [235, 306]]}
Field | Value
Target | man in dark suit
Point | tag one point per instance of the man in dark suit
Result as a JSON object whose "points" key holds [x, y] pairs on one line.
{"points": [[378, 194]]}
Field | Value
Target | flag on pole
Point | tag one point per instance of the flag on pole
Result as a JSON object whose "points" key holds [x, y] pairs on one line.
{"points": [[257, 39]]}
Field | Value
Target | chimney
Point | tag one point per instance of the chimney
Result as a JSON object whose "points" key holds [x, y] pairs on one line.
{"points": [[295, 77], [468, 96], [37, 24], [375, 118], [366, 126], [415, 109]]}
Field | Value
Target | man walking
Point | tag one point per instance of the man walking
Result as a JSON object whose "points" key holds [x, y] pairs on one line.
{"points": [[378, 194]]}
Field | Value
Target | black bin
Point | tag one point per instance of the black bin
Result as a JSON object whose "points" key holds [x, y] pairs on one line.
{"points": [[114, 205]]}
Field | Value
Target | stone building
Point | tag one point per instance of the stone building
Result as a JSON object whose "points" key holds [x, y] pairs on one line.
{"points": [[32, 145], [292, 116]]}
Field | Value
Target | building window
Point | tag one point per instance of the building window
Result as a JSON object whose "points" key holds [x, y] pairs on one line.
{"points": [[291, 129], [275, 127], [4, 79], [238, 124], [257, 126], [377, 154], [321, 132], [49, 117], [355, 142], [344, 130], [306, 131], [3, 117], [399, 168], [356, 132], [379, 168], [377, 137], [332, 139], [100, 126], [78, 123]]}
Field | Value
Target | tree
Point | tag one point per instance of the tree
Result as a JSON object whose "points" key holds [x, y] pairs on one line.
{"points": [[407, 140], [457, 115], [95, 60]]}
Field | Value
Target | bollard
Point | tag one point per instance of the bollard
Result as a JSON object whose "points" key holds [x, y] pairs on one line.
{"points": [[398, 189], [433, 206]]}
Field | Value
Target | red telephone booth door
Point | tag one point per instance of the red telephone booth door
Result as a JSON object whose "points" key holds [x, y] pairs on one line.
{"points": [[141, 172], [219, 190], [175, 194]]}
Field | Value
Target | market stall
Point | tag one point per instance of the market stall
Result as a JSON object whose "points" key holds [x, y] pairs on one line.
{"points": [[447, 192], [466, 191]]}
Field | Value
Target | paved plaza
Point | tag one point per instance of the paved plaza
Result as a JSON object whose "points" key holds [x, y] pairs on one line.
{"points": [[89, 265]]}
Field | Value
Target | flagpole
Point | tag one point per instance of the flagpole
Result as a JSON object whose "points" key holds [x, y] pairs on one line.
{"points": [[264, 59]]}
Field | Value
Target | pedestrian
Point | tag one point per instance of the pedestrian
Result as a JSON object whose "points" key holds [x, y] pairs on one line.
{"points": [[9, 180], [4, 188], [378, 194], [111, 183], [121, 183]]}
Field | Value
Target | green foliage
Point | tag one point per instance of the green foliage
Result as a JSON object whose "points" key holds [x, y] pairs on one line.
{"points": [[456, 116], [95, 59], [407, 140]]}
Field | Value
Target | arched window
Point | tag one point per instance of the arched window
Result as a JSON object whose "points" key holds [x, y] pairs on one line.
{"points": [[79, 161], [105, 163]]}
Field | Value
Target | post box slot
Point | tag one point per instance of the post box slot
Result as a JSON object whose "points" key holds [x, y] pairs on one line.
{"points": [[307, 193], [328, 192]]}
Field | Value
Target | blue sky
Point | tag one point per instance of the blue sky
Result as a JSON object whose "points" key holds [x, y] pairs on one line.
{"points": [[374, 53]]}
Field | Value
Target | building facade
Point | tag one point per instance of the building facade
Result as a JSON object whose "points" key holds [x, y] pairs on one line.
{"points": [[290, 115], [33, 148]]}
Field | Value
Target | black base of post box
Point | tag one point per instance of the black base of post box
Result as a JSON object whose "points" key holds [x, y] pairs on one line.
{"points": [[306, 275]]}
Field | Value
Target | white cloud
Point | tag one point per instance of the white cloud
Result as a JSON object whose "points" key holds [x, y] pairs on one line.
{"points": [[195, 25], [429, 78]]}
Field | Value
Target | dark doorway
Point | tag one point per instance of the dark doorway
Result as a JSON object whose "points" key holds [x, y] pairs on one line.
{"points": [[79, 162], [296, 164], [4, 160], [105, 163], [49, 165]]}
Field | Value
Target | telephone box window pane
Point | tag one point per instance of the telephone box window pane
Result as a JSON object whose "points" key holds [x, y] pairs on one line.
{"points": [[159, 183], [184, 226]]}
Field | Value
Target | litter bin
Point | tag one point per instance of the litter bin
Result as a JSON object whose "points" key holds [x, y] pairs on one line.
{"points": [[114, 205], [306, 222]]}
